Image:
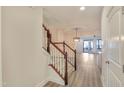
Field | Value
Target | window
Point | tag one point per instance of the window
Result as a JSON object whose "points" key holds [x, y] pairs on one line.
{"points": [[99, 44], [87, 45]]}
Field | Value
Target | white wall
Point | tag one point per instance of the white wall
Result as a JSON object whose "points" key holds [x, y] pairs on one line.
{"points": [[79, 46], [24, 63], [0, 53]]}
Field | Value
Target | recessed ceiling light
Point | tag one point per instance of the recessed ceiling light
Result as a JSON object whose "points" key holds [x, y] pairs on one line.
{"points": [[82, 8]]}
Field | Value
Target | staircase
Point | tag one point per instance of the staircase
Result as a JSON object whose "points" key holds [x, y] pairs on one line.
{"points": [[62, 55]]}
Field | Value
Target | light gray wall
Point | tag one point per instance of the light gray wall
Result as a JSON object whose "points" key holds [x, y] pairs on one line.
{"points": [[23, 62]]}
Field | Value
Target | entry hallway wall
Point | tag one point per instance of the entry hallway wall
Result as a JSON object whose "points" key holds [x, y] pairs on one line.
{"points": [[23, 61]]}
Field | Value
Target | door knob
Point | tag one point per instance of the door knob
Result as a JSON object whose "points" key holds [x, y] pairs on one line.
{"points": [[107, 62]]}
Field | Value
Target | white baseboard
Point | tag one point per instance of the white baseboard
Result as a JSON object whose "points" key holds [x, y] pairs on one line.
{"points": [[42, 83], [56, 81], [102, 81]]}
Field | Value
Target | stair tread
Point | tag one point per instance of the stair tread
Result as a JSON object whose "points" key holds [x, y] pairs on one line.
{"points": [[50, 83]]}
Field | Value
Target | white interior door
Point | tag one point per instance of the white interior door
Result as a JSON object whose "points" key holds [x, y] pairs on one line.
{"points": [[114, 62]]}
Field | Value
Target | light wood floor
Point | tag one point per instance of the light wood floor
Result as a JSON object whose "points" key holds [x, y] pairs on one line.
{"points": [[87, 74]]}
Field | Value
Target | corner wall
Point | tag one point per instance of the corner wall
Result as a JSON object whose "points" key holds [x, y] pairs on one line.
{"points": [[23, 61]]}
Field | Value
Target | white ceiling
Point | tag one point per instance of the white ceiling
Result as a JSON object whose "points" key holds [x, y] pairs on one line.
{"points": [[69, 17]]}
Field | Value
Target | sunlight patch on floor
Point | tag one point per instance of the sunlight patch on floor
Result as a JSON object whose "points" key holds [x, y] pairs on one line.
{"points": [[87, 57]]}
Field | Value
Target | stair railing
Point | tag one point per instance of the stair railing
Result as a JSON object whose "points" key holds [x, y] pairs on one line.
{"points": [[71, 58], [58, 57], [46, 38]]}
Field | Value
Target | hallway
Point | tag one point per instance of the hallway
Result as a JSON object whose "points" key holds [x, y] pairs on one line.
{"points": [[45, 43], [87, 74]]}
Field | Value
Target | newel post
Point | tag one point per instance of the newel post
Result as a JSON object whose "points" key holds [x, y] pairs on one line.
{"points": [[75, 62], [64, 46], [66, 69], [48, 41]]}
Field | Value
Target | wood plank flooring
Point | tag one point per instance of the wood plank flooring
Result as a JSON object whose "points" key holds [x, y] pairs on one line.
{"points": [[87, 74]]}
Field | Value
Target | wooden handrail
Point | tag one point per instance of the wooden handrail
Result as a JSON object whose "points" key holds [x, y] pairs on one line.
{"points": [[57, 48], [69, 47], [65, 78], [48, 38], [65, 44], [45, 28], [50, 41]]}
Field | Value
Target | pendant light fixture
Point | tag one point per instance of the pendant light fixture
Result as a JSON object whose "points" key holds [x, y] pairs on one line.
{"points": [[76, 38]]}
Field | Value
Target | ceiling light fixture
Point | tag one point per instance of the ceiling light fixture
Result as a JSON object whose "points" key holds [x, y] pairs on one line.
{"points": [[82, 8], [76, 38]]}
